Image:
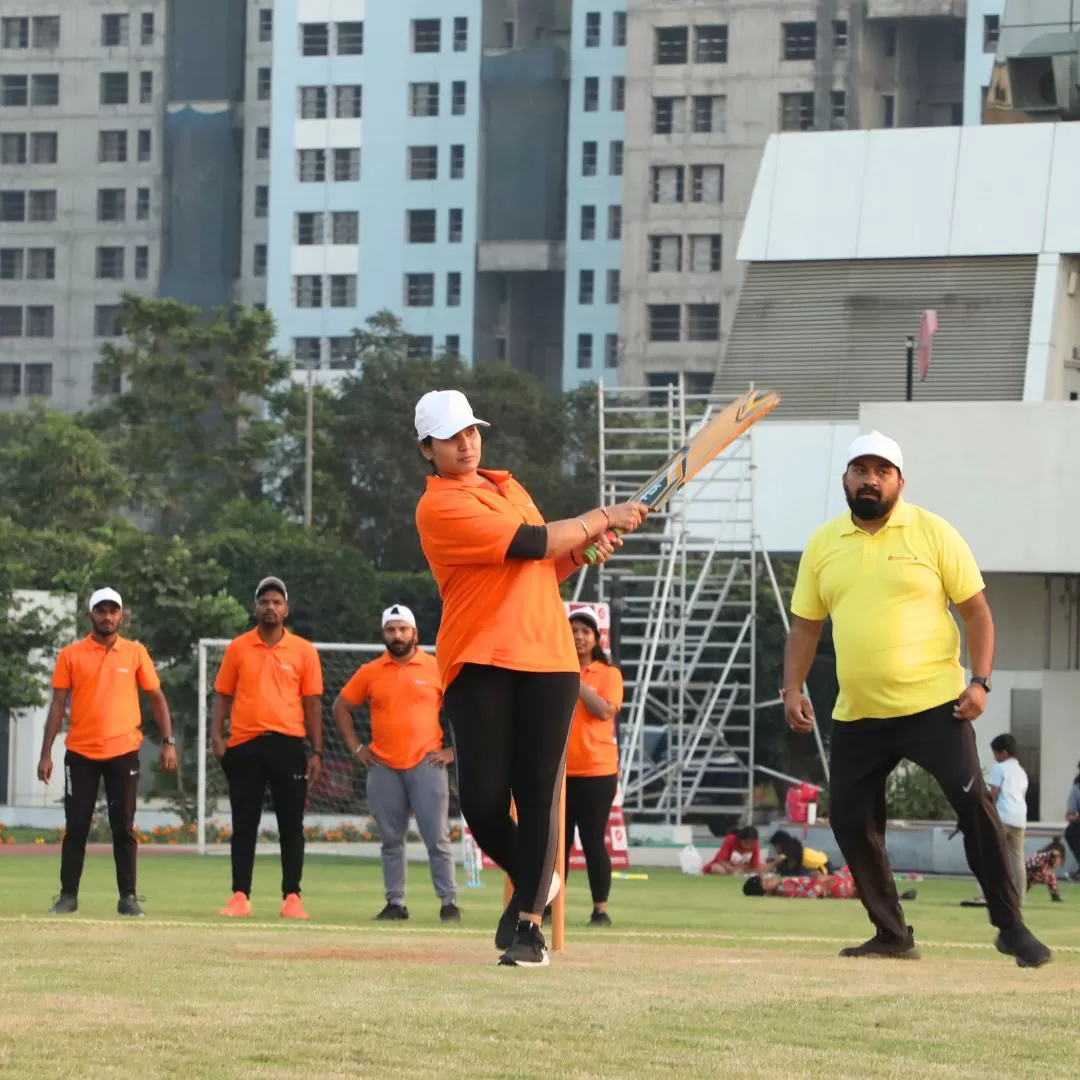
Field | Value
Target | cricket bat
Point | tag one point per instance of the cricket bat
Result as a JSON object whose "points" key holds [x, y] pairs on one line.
{"points": [[714, 436]]}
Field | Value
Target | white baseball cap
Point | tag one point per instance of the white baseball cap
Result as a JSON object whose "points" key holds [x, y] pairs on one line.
{"points": [[587, 614], [103, 595], [274, 583], [877, 445], [441, 414], [398, 613]]}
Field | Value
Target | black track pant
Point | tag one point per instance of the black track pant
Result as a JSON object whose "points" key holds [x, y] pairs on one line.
{"points": [[510, 730], [588, 805], [280, 763], [1072, 838], [82, 778], [862, 754]]}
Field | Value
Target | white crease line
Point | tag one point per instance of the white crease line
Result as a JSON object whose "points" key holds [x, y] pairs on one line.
{"points": [[643, 935]]}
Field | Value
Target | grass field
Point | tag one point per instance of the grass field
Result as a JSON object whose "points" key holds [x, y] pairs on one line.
{"points": [[694, 980]]}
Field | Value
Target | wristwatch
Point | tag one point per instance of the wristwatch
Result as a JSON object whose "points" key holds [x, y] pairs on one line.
{"points": [[979, 680], [169, 740]]}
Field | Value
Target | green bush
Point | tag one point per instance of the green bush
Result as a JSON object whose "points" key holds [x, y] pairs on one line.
{"points": [[912, 794]]}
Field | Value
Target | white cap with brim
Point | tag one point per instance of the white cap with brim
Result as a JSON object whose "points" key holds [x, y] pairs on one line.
{"points": [[441, 414], [398, 613], [272, 583], [103, 596], [876, 445], [586, 614]]}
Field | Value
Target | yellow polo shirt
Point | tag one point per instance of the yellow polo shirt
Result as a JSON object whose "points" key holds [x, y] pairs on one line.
{"points": [[897, 644]]}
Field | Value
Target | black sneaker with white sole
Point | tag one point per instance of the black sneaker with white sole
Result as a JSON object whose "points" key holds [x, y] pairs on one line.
{"points": [[65, 904], [129, 905], [528, 949], [599, 918], [1020, 943], [393, 913], [450, 913], [885, 946]]}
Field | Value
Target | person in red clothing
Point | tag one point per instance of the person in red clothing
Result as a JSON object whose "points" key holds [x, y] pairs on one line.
{"points": [[269, 689], [510, 672], [838, 886], [405, 760], [102, 675], [739, 853], [592, 759]]}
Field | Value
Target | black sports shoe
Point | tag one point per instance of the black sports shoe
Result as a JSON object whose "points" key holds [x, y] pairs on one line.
{"points": [[599, 918], [504, 932], [393, 913], [911, 894], [528, 949], [885, 946], [65, 904], [1021, 943], [450, 913], [129, 905]]}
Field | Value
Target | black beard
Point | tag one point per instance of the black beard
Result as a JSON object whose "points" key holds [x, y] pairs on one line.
{"points": [[399, 648], [866, 508]]}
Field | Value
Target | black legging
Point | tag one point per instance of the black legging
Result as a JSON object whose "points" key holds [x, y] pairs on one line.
{"points": [[510, 730], [588, 804]]}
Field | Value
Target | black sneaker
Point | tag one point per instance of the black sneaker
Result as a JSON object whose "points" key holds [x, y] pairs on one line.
{"points": [[450, 913], [911, 894], [129, 905], [504, 932], [528, 949], [599, 918], [1055, 898], [885, 946], [393, 913], [65, 904], [1021, 943]]}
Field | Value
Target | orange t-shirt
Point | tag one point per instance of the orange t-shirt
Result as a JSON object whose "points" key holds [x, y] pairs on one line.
{"points": [[592, 749], [104, 685], [503, 612], [267, 685], [405, 702]]}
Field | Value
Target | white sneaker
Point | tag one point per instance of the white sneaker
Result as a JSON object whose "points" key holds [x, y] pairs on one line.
{"points": [[556, 885]]}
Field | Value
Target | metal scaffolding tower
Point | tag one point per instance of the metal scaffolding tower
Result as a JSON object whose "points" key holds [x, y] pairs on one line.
{"points": [[688, 586]]}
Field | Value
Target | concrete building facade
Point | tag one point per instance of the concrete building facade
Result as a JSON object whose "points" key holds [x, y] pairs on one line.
{"points": [[120, 163], [706, 87]]}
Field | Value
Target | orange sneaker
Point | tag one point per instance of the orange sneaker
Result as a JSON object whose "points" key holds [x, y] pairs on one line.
{"points": [[238, 906], [291, 908]]}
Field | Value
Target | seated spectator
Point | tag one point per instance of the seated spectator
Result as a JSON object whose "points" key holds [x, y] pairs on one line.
{"points": [[795, 860], [838, 886], [739, 853]]}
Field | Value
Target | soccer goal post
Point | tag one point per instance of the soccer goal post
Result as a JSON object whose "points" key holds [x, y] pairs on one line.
{"points": [[340, 794]]}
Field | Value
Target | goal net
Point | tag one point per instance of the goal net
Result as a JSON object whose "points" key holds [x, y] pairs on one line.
{"points": [[337, 803]]}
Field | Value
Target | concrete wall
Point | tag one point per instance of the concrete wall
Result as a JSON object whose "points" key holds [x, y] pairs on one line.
{"points": [[79, 60], [600, 319], [27, 727]]}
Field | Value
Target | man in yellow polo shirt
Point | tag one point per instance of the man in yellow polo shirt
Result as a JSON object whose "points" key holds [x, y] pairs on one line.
{"points": [[885, 573]]}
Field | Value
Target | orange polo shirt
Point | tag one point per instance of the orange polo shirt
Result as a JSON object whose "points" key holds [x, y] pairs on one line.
{"points": [[267, 685], [592, 749], [405, 703], [104, 685], [502, 612]]}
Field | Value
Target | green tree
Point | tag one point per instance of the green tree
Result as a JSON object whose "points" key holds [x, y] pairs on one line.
{"points": [[28, 635], [56, 474], [333, 591], [368, 472], [189, 428]]}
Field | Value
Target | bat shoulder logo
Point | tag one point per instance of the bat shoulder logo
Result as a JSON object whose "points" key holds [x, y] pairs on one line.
{"points": [[752, 400]]}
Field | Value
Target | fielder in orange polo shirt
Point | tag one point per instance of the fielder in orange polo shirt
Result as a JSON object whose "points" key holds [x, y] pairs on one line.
{"points": [[405, 760], [270, 688], [592, 759], [102, 676]]}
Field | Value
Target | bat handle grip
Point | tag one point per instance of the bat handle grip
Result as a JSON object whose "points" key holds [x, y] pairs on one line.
{"points": [[590, 553]]}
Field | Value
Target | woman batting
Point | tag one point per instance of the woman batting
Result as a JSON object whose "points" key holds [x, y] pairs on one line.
{"points": [[506, 653]]}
